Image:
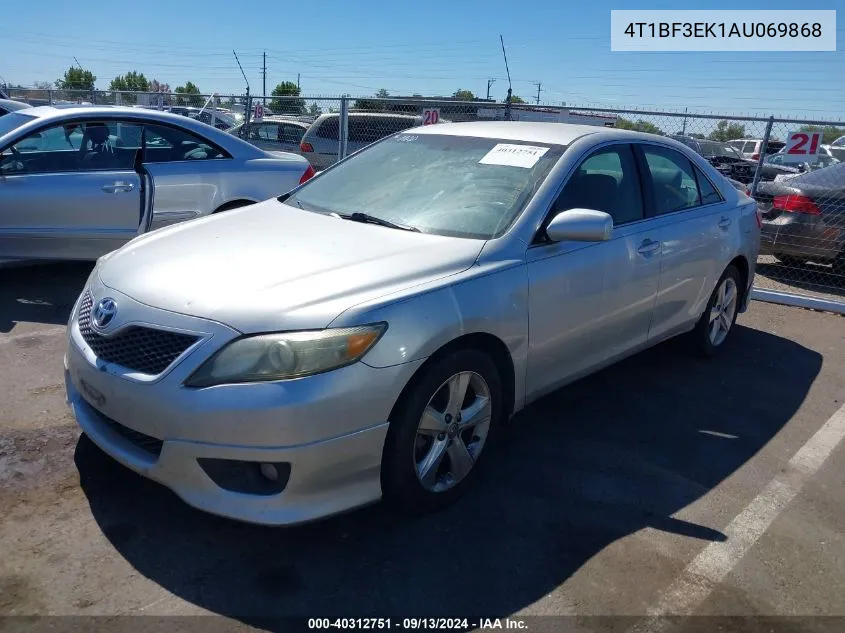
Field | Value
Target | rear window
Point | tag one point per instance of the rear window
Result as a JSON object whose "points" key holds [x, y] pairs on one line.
{"points": [[448, 185], [832, 176], [329, 128]]}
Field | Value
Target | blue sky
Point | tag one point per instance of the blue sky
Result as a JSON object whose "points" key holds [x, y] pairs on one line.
{"points": [[430, 47]]}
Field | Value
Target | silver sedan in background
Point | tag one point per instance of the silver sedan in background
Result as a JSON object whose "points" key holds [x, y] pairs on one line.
{"points": [[367, 334], [77, 182]]}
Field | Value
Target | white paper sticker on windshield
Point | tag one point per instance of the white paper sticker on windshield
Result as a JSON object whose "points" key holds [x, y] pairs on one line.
{"points": [[514, 155]]}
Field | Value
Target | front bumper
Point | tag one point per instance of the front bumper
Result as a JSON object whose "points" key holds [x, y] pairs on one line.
{"points": [[329, 429]]}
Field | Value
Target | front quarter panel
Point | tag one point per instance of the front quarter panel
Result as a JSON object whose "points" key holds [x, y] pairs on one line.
{"points": [[487, 298]]}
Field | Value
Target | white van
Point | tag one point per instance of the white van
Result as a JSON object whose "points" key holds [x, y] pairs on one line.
{"points": [[321, 141]]}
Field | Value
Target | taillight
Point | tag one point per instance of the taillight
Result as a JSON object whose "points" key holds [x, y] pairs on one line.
{"points": [[796, 204], [305, 147], [755, 156], [308, 175]]}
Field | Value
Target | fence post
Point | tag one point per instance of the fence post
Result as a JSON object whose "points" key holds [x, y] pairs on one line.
{"points": [[50, 95], [247, 112], [343, 128], [763, 146]]}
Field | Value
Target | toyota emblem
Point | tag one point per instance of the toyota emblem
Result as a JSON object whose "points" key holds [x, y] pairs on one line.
{"points": [[104, 312]]}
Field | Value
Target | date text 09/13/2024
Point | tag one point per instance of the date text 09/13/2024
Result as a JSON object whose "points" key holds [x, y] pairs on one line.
{"points": [[412, 624]]}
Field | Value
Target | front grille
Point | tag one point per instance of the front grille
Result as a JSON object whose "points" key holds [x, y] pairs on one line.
{"points": [[145, 442], [142, 349]]}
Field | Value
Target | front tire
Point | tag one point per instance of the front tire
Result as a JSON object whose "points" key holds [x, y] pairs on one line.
{"points": [[719, 316], [439, 431]]}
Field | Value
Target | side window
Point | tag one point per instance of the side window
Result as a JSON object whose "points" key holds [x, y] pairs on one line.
{"points": [[606, 181], [368, 129], [709, 194], [748, 148], [672, 180], [167, 144], [73, 147], [268, 131]]}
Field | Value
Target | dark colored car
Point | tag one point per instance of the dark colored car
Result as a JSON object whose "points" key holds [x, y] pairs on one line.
{"points": [[722, 156], [804, 217]]}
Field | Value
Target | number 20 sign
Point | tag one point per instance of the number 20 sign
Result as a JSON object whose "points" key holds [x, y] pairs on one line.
{"points": [[802, 147], [431, 116]]}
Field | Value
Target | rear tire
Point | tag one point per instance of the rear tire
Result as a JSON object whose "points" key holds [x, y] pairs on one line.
{"points": [[712, 330], [440, 430]]}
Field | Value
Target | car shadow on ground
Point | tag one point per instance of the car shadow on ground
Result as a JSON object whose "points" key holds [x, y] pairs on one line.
{"points": [[807, 276], [40, 293], [594, 462]]}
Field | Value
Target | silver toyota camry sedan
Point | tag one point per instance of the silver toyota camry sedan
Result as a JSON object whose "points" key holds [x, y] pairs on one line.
{"points": [[77, 182], [366, 335]]}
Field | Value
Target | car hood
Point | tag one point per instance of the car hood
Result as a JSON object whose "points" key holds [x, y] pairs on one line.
{"points": [[271, 266]]}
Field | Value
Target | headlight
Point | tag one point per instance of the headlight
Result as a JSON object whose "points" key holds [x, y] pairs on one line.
{"points": [[286, 355]]}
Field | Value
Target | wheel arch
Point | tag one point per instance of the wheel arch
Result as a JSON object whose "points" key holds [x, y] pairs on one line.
{"points": [[234, 204], [484, 342]]}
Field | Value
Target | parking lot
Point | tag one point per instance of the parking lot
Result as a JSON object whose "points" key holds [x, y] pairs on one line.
{"points": [[663, 485]]}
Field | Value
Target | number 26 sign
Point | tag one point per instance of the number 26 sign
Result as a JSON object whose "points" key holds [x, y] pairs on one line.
{"points": [[802, 147]]}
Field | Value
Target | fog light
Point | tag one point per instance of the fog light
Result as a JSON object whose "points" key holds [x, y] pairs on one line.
{"points": [[270, 472]]}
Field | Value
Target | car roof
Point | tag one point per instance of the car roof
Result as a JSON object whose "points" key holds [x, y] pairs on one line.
{"points": [[12, 104], [537, 132]]}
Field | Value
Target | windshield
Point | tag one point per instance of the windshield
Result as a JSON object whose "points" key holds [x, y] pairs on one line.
{"points": [[448, 185], [12, 121]]}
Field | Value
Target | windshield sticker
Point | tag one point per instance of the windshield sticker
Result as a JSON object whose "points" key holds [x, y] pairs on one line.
{"points": [[405, 138], [514, 155]]}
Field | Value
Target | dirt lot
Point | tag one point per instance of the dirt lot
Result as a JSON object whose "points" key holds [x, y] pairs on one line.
{"points": [[664, 485]]}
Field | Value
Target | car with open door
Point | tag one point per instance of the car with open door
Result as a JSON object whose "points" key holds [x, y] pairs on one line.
{"points": [[71, 178]]}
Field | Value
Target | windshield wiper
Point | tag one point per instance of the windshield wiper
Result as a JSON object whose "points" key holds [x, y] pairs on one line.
{"points": [[371, 219]]}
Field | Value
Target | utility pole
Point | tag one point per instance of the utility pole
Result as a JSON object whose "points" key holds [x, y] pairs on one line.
{"points": [[684, 130], [510, 87], [490, 82], [77, 62], [538, 84], [264, 74], [297, 81]]}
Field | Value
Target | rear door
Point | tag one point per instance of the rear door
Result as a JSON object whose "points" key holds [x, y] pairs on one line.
{"points": [[695, 224], [63, 195]]}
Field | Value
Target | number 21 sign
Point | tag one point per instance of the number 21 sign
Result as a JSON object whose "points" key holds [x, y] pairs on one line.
{"points": [[802, 147]]}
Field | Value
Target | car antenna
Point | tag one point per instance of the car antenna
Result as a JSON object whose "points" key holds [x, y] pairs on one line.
{"points": [[510, 87]]}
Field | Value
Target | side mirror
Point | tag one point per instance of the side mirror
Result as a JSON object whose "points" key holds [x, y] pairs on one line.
{"points": [[580, 225]]}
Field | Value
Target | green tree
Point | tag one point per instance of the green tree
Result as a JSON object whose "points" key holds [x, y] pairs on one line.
{"points": [[130, 82], [314, 110], [382, 93], [465, 95], [515, 99], [829, 132], [76, 79], [726, 131], [287, 105], [637, 126], [188, 89]]}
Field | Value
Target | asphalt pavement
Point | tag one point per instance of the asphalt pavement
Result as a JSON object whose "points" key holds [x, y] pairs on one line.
{"points": [[665, 485]]}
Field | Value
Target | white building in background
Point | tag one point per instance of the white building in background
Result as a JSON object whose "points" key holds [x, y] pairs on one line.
{"points": [[522, 112]]}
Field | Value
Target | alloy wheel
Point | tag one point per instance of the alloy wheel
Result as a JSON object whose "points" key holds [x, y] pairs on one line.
{"points": [[723, 311], [452, 431]]}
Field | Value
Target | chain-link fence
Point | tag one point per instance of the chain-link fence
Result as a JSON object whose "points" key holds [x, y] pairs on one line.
{"points": [[795, 169]]}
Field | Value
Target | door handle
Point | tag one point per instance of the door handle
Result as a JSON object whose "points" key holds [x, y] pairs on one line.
{"points": [[118, 187], [648, 247], [725, 222]]}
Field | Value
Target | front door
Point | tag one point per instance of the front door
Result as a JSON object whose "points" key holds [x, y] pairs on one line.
{"points": [[590, 303], [69, 191]]}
